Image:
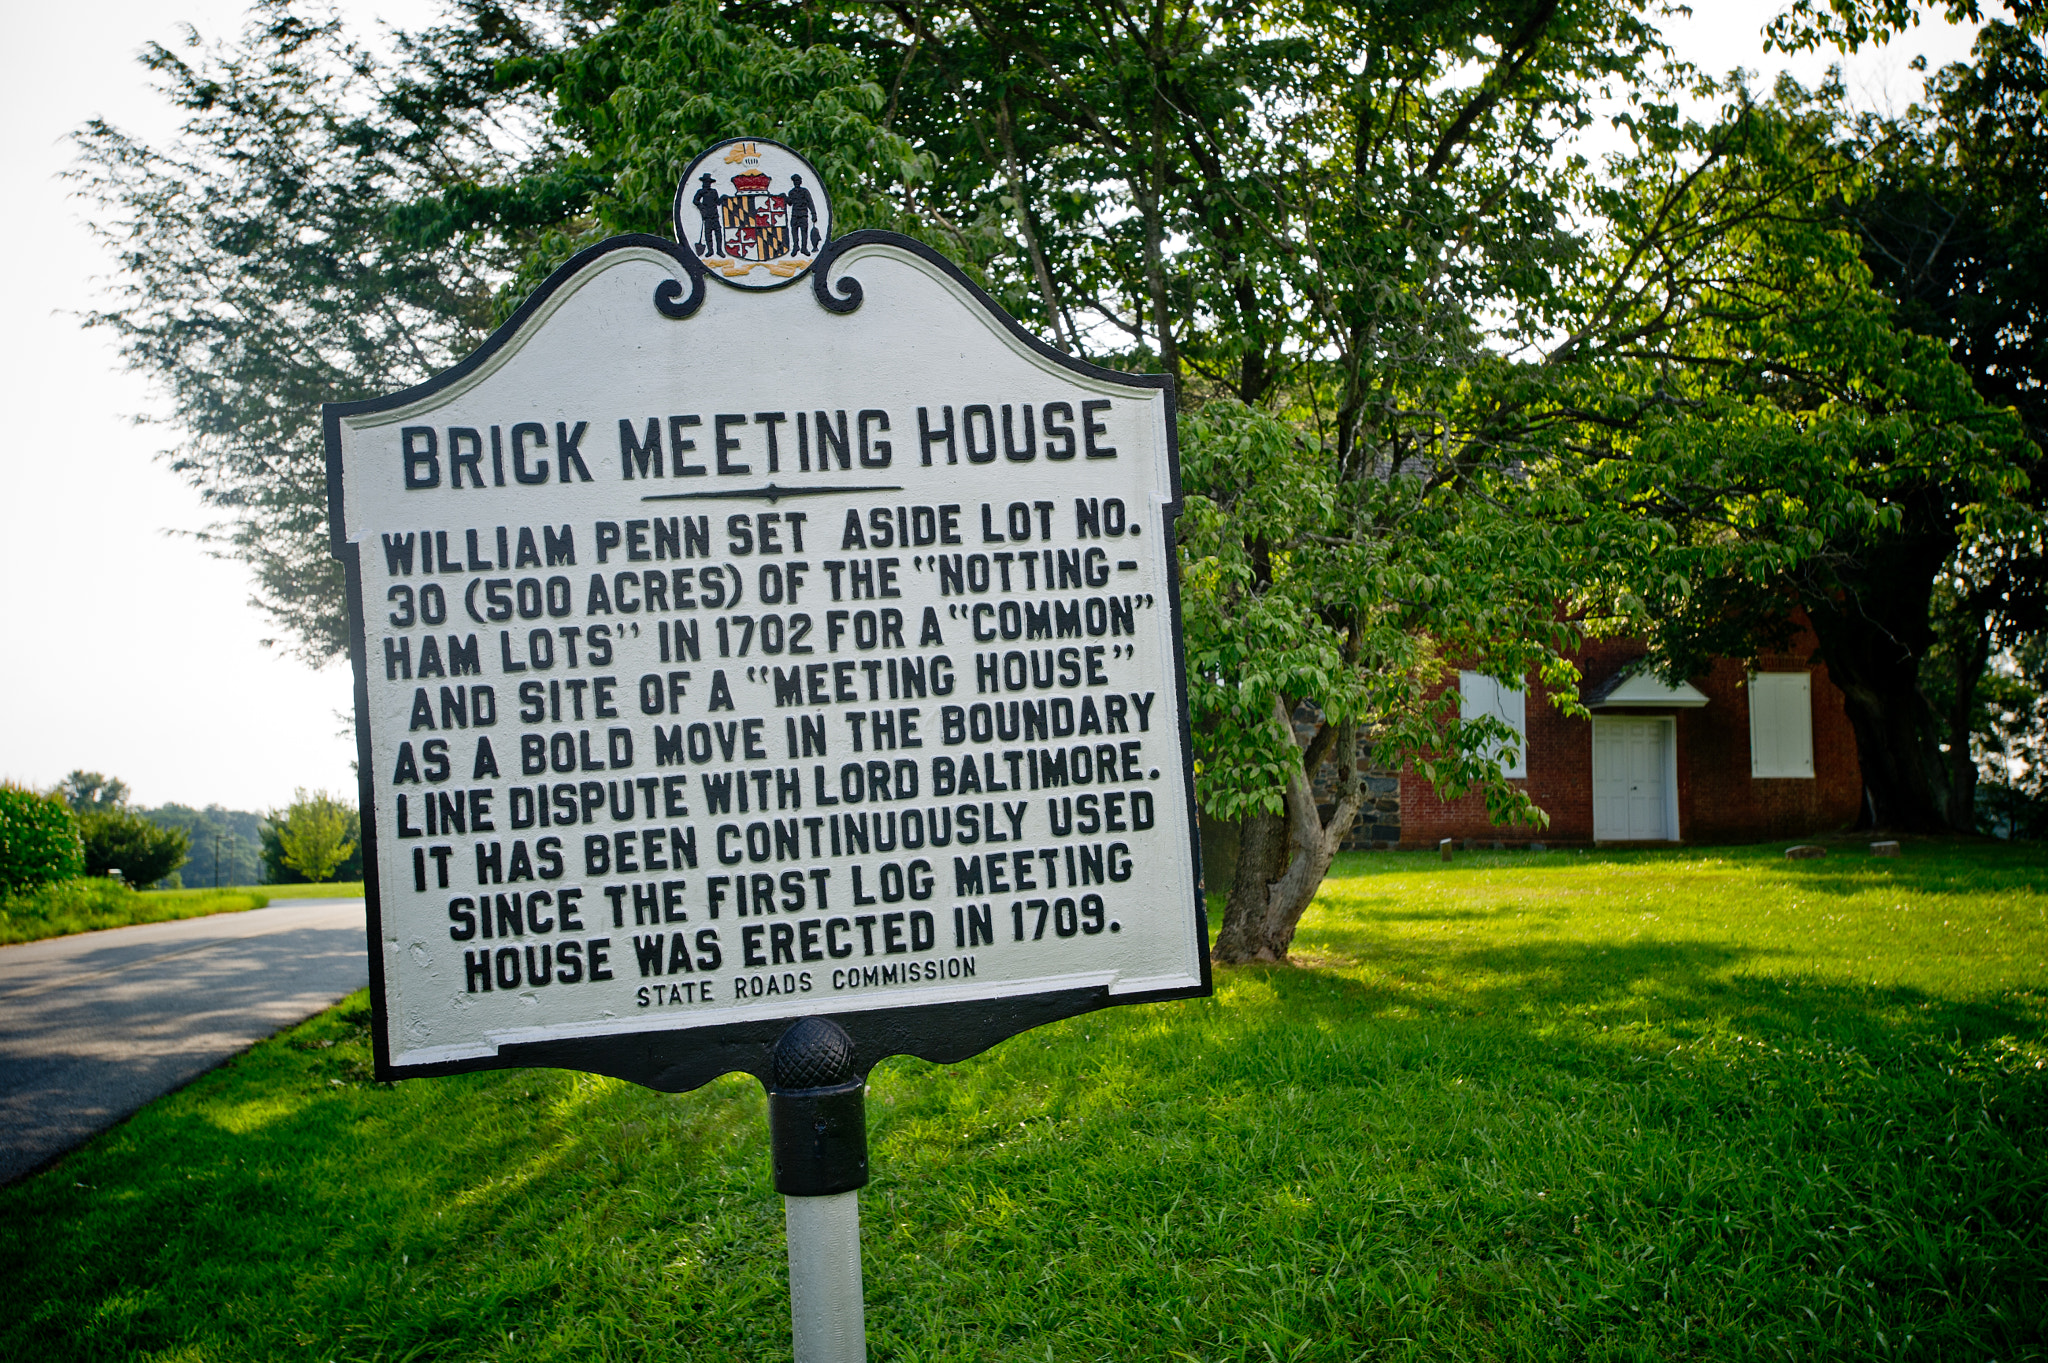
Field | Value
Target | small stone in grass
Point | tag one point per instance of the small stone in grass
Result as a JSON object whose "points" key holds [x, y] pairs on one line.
{"points": [[1805, 850], [1538, 847], [1444, 846], [1884, 849]]}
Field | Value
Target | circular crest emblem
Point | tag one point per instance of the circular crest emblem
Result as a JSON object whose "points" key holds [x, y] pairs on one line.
{"points": [[754, 212]]}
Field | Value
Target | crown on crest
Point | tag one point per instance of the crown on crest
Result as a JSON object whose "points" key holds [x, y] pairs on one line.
{"points": [[753, 212]]}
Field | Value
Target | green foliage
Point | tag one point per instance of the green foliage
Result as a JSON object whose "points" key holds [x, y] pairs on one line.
{"points": [[261, 275], [120, 839], [2009, 743], [1352, 595], [39, 840], [643, 95], [317, 837], [1793, 441], [1549, 1107], [1850, 25], [225, 845], [94, 903], [86, 791], [1456, 395], [1955, 232], [276, 871]]}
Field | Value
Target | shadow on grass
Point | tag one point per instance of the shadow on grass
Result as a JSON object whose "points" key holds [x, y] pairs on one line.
{"points": [[1935, 882], [1286, 1147], [405, 1216]]}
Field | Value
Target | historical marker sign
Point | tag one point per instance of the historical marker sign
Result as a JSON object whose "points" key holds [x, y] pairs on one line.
{"points": [[728, 655]]}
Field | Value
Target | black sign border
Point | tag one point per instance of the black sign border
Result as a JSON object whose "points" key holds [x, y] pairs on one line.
{"points": [[675, 1060]]}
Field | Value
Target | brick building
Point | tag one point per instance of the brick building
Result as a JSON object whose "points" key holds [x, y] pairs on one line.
{"points": [[1728, 757]]}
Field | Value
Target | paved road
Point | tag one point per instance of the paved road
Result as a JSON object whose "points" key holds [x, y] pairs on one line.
{"points": [[93, 1027]]}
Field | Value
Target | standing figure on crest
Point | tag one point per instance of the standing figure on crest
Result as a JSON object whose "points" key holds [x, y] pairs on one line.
{"points": [[801, 210], [710, 241]]}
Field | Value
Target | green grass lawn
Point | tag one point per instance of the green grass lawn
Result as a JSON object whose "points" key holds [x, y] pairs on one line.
{"points": [[91, 903], [1695, 1104], [335, 889]]}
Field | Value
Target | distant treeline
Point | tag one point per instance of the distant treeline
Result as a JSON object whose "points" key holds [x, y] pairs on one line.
{"points": [[235, 847], [225, 848]]}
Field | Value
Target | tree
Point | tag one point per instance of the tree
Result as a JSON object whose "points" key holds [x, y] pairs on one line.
{"points": [[116, 838], [86, 791], [262, 271], [226, 845], [334, 223], [316, 834], [276, 872], [639, 96], [38, 839], [2012, 743], [1846, 441], [1352, 610], [1308, 214], [1454, 396], [119, 839], [1231, 198], [1955, 232]]}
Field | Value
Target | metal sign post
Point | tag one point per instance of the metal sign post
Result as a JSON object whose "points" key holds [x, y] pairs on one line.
{"points": [[767, 659], [817, 1127]]}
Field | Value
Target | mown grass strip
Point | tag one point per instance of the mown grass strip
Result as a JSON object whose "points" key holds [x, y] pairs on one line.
{"points": [[1557, 1106], [333, 889], [92, 903]]}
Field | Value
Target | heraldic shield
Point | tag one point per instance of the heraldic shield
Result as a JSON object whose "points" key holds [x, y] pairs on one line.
{"points": [[754, 212]]}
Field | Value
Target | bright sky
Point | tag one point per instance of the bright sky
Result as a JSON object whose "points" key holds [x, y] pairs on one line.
{"points": [[128, 650]]}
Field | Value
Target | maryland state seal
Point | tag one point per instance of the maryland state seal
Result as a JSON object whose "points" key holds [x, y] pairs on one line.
{"points": [[754, 212]]}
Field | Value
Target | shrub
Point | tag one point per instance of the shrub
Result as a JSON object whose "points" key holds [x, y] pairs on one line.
{"points": [[122, 840], [316, 835], [39, 840], [276, 871]]}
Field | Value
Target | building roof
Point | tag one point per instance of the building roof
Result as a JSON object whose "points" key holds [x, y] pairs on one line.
{"points": [[1634, 690]]}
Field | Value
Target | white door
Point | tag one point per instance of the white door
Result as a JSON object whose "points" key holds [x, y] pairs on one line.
{"points": [[1633, 780]]}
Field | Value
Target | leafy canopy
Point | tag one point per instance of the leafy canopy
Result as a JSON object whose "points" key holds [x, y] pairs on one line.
{"points": [[316, 833]]}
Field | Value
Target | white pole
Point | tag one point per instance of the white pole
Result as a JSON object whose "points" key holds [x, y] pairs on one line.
{"points": [[825, 1316]]}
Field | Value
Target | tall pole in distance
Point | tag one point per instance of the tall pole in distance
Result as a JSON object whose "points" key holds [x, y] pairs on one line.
{"points": [[817, 1128]]}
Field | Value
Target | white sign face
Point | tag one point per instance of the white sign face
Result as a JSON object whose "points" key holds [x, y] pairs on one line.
{"points": [[812, 653]]}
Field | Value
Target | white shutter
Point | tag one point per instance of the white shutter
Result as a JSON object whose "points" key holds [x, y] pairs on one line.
{"points": [[1781, 725], [1479, 694]]}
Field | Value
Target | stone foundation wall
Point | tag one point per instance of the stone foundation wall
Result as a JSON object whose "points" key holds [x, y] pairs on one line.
{"points": [[1378, 826]]}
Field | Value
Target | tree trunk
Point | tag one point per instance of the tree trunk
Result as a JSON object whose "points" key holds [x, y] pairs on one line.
{"points": [[1872, 645], [1039, 270], [1150, 196], [1282, 858], [1970, 659], [1261, 856]]}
